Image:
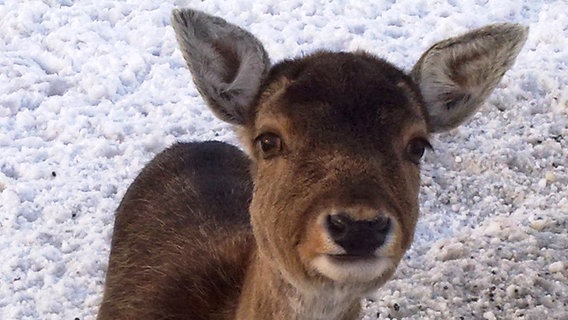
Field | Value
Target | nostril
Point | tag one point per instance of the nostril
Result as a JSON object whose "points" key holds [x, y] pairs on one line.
{"points": [[337, 225], [381, 224]]}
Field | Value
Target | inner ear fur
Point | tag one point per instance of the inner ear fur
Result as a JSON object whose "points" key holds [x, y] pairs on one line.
{"points": [[228, 64], [457, 75]]}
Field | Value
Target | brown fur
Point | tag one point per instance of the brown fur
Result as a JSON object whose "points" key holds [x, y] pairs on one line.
{"points": [[205, 232], [188, 200], [346, 149]]}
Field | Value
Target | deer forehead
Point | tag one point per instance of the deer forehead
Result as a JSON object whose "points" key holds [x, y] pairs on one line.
{"points": [[336, 98]]}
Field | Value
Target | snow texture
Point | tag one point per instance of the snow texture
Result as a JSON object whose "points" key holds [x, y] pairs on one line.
{"points": [[92, 90]]}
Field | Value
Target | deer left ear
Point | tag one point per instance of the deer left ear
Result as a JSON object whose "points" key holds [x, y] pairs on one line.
{"points": [[456, 75], [228, 63]]}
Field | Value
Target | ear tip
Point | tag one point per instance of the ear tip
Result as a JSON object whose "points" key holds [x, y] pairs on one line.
{"points": [[524, 32], [515, 31], [518, 34], [185, 16], [183, 11], [520, 27], [521, 30], [178, 16]]}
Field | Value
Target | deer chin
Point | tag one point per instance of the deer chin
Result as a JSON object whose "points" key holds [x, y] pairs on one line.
{"points": [[345, 268]]}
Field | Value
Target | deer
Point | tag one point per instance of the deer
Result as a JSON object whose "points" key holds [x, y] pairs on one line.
{"points": [[321, 203]]}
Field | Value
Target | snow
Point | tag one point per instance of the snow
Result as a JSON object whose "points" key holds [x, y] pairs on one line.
{"points": [[91, 90]]}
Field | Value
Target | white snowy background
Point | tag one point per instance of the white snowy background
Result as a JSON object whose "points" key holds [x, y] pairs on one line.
{"points": [[92, 90]]}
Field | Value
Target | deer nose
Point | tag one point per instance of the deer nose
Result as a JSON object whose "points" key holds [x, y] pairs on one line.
{"points": [[358, 237]]}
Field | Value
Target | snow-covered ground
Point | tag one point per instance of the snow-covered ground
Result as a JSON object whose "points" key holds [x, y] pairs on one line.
{"points": [[91, 90]]}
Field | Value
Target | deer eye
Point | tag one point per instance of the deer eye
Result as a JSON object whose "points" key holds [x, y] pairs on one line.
{"points": [[415, 149], [269, 144]]}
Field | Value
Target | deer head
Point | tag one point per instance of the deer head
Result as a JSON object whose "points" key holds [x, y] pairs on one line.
{"points": [[336, 139]]}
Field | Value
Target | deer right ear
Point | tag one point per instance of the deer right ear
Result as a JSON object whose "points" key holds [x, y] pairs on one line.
{"points": [[228, 64], [456, 75]]}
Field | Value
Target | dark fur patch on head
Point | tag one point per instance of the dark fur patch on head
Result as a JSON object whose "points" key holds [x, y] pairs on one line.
{"points": [[346, 93]]}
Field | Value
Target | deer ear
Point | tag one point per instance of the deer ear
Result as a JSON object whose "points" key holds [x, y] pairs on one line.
{"points": [[228, 64], [456, 75]]}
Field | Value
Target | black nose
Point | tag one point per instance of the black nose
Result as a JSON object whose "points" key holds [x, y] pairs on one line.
{"points": [[358, 237]]}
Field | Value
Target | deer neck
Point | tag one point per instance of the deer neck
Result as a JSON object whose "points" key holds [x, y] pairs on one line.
{"points": [[267, 295]]}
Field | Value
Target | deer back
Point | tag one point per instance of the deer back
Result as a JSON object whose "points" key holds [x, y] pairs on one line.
{"points": [[182, 236]]}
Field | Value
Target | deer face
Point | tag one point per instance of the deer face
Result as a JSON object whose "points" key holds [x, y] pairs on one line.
{"points": [[336, 139]]}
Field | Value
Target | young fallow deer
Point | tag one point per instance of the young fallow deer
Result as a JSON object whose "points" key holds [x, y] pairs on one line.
{"points": [[323, 206]]}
